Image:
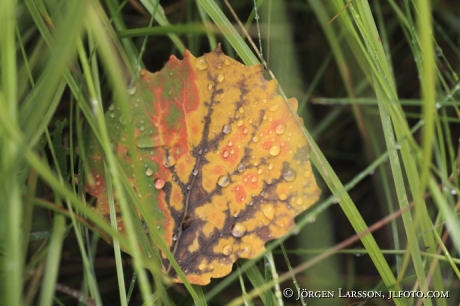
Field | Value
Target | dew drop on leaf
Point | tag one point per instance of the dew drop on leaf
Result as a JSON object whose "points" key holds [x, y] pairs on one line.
{"points": [[269, 211], [245, 251], [201, 63], [241, 168], [226, 129], [169, 161], [280, 128], [223, 181], [289, 175], [148, 172], [275, 150], [227, 250], [132, 90], [220, 78], [239, 123], [274, 108], [282, 196], [241, 110], [255, 139], [158, 183], [125, 118], [174, 237], [239, 230], [202, 266]]}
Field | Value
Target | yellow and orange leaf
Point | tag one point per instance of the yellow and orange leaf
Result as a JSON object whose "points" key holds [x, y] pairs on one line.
{"points": [[226, 161]]}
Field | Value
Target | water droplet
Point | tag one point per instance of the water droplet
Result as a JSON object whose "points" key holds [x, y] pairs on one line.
{"points": [[230, 143], [225, 154], [174, 237], [227, 250], [112, 107], [158, 183], [201, 63], [227, 62], [195, 172], [254, 179], [239, 230], [202, 266], [209, 86], [299, 201], [132, 90], [270, 166], [255, 139], [241, 168], [169, 161], [98, 183], [274, 108], [289, 175], [241, 110], [235, 214], [275, 150], [280, 129], [125, 118], [260, 171], [239, 123], [148, 172], [244, 251], [223, 181], [251, 203], [269, 211], [220, 78], [307, 173], [282, 196], [245, 130], [226, 129], [112, 115]]}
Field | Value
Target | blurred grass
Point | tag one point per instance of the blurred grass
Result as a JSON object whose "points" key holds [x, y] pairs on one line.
{"points": [[386, 138]]}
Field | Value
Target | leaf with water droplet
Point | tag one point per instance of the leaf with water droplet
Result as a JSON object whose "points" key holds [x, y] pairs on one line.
{"points": [[223, 155]]}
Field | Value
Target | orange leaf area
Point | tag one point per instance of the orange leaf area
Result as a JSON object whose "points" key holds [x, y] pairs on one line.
{"points": [[225, 160]]}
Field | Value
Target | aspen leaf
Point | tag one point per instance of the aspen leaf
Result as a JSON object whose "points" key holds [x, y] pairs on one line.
{"points": [[225, 160]]}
